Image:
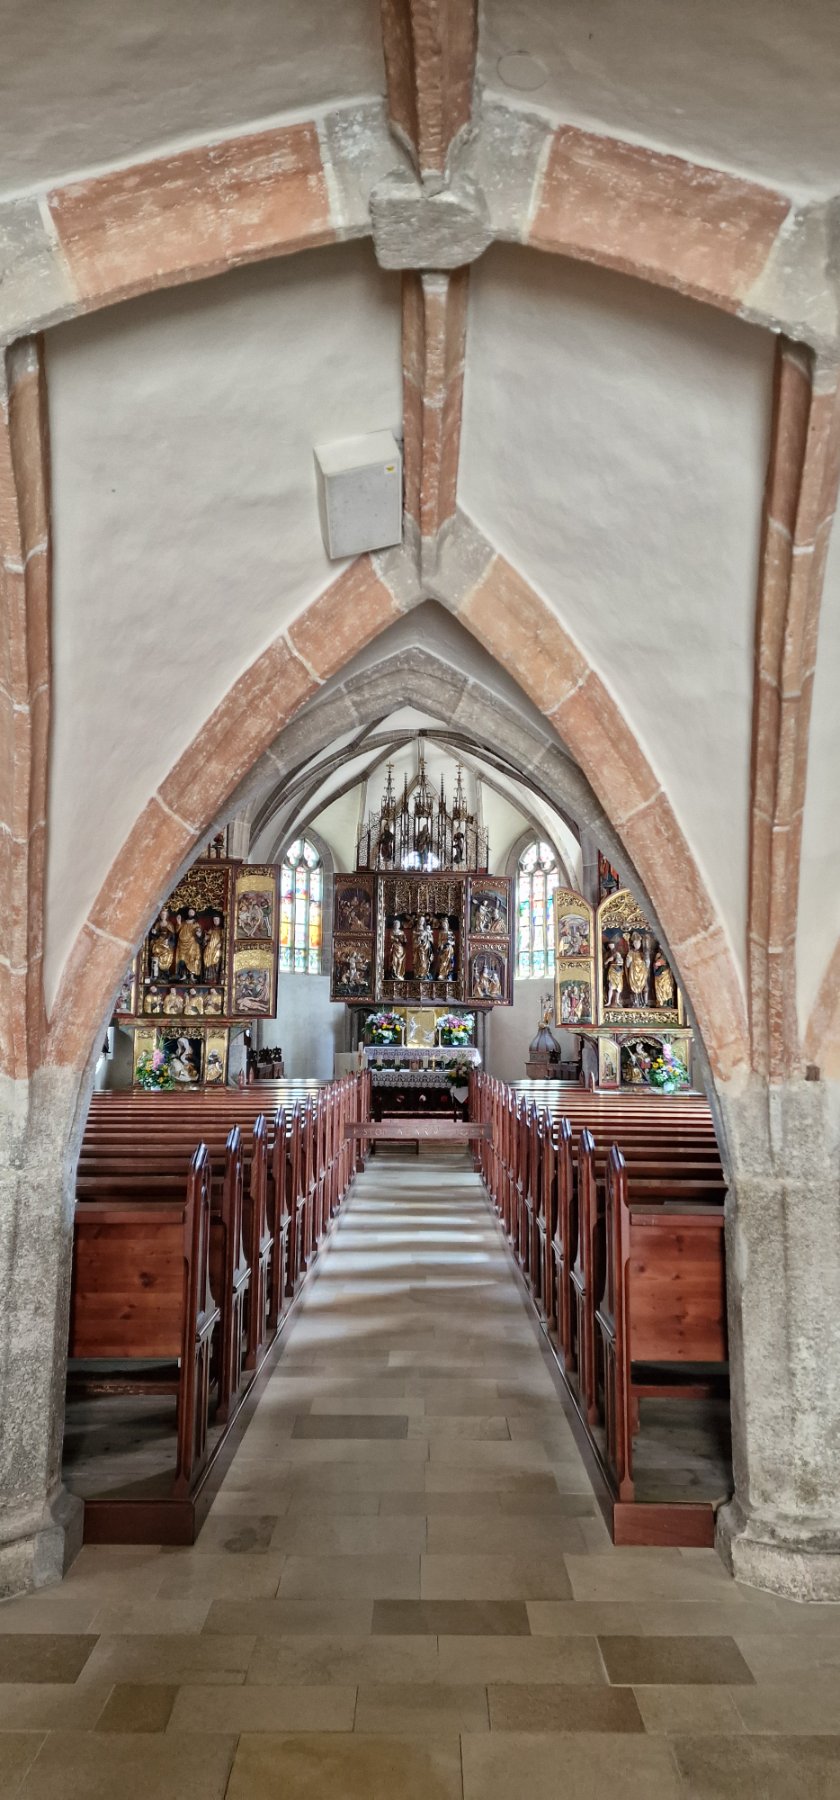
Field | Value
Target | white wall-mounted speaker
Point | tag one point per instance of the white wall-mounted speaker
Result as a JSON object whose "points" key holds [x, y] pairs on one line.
{"points": [[360, 493]]}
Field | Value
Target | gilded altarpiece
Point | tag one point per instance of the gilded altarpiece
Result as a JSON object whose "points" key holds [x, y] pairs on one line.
{"points": [[437, 938], [636, 982], [575, 998]]}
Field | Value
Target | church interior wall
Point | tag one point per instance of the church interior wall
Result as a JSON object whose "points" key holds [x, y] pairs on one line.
{"points": [[309, 1028], [819, 891], [510, 1029], [179, 75], [676, 78], [646, 543], [208, 403]]}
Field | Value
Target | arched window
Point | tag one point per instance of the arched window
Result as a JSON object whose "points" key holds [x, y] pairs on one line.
{"points": [[537, 876], [301, 909]]}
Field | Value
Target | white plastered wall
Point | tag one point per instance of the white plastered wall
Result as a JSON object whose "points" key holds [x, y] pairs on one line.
{"points": [[186, 522], [748, 86], [97, 84], [615, 446], [819, 892]]}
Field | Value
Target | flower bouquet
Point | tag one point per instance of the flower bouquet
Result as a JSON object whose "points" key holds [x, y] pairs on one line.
{"points": [[455, 1028], [667, 1072], [152, 1070], [384, 1028]]}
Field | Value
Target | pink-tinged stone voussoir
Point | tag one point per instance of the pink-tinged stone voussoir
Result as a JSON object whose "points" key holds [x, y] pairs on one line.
{"points": [[193, 214], [430, 48], [336, 626], [433, 338], [658, 217]]}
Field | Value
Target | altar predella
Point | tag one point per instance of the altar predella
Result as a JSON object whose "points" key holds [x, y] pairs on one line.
{"points": [[421, 919]]}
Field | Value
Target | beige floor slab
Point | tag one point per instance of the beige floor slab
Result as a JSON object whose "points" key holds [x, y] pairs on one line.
{"points": [[378, 1536], [48, 1706], [689, 1709], [430, 1708], [112, 1766], [806, 1702], [264, 1708], [503, 1536], [37, 1613], [352, 1767], [138, 1707], [173, 1658], [17, 1753], [280, 1618], [565, 1662], [493, 1578], [196, 1574], [692, 1661], [151, 1617], [544, 1706], [319, 1661], [652, 1575], [570, 1766], [350, 1578], [745, 1768]]}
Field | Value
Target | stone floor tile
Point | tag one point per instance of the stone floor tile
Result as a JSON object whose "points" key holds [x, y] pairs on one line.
{"points": [[354, 1766], [342, 1405], [783, 1656], [195, 1574], [268, 1707], [473, 1618], [281, 1618], [425, 1707], [151, 1617], [112, 1766], [690, 1709], [334, 1506], [595, 1618], [171, 1659], [645, 1575], [466, 1536], [35, 1613], [351, 1537], [352, 1425], [350, 1578], [48, 1706], [547, 1706], [750, 1768], [356, 1478], [807, 1702], [464, 1426], [238, 1537], [317, 1661], [577, 1765], [493, 1578], [142, 1707], [18, 1750], [695, 1661], [566, 1662], [52, 1657]]}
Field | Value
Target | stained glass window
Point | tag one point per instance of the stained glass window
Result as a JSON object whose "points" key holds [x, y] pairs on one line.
{"points": [[301, 909], [537, 877]]}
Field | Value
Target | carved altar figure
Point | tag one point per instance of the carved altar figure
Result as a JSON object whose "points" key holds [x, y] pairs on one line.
{"points": [[182, 1065], [459, 847], [424, 944], [398, 950], [173, 1002], [387, 846], [154, 1000], [194, 1004], [162, 947], [213, 1001], [614, 972], [188, 953], [487, 983], [663, 980], [446, 955], [212, 957], [638, 970]]}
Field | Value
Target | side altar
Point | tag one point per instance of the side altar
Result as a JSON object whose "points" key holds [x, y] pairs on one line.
{"points": [[614, 986], [421, 921], [207, 964]]}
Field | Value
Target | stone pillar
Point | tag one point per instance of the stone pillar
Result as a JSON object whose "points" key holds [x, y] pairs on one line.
{"points": [[781, 1531], [40, 1523]]}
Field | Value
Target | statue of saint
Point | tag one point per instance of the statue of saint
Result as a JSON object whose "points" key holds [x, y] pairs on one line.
{"points": [[614, 972], [487, 983], [213, 1001], [188, 953], [663, 980], [424, 944], [638, 970], [459, 847], [194, 1004], [212, 957], [396, 967], [182, 1065], [154, 1000], [162, 946], [173, 1002], [446, 954], [385, 851]]}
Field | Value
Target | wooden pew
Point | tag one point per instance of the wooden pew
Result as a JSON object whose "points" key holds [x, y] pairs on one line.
{"points": [[663, 1302], [141, 1293]]}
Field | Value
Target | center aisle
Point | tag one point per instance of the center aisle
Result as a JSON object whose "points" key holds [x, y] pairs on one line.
{"points": [[403, 1590]]}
